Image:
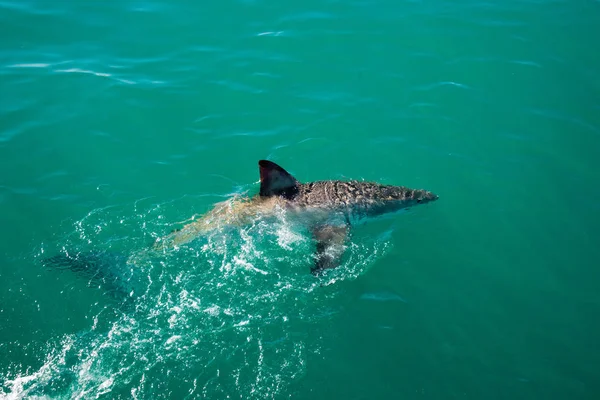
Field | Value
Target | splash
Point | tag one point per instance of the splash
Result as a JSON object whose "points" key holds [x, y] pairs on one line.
{"points": [[228, 314]]}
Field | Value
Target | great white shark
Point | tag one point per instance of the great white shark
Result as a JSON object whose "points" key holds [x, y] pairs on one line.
{"points": [[329, 208]]}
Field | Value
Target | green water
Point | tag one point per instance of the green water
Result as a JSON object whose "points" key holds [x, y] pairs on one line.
{"points": [[121, 119]]}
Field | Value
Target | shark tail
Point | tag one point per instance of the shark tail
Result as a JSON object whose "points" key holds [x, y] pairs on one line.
{"points": [[106, 270], [77, 262]]}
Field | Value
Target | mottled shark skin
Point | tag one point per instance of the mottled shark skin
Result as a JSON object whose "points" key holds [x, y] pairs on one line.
{"points": [[329, 208]]}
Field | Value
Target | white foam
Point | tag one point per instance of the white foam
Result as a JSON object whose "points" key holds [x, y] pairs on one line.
{"points": [[172, 339]]}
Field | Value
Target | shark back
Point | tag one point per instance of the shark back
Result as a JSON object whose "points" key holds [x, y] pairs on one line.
{"points": [[357, 199]]}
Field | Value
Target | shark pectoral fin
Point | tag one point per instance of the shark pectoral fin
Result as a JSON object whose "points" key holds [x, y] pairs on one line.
{"points": [[331, 242]]}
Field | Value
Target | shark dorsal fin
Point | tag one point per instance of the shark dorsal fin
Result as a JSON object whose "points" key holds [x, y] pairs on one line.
{"points": [[276, 181]]}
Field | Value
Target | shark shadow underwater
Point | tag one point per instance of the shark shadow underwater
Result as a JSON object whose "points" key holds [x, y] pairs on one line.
{"points": [[327, 208]]}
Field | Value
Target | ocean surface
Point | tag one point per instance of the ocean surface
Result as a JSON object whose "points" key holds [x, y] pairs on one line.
{"points": [[122, 120]]}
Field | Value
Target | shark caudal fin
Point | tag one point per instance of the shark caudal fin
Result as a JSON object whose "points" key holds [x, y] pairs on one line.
{"points": [[276, 181], [103, 269]]}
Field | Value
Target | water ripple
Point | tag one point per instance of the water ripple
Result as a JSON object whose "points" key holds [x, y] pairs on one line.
{"points": [[307, 16], [556, 115], [31, 65], [278, 33], [436, 85], [38, 8], [238, 87], [59, 69]]}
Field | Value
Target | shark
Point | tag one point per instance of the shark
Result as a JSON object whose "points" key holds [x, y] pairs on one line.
{"points": [[329, 208]]}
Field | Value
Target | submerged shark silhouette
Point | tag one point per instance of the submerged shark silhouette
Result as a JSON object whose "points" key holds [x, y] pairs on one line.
{"points": [[328, 208]]}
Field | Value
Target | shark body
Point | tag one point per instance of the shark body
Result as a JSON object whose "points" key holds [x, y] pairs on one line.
{"points": [[329, 208]]}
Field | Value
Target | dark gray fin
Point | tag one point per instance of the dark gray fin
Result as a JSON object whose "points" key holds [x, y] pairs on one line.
{"points": [[276, 181], [331, 240]]}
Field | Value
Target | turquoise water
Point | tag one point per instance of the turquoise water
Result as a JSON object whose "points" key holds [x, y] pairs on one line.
{"points": [[120, 120]]}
